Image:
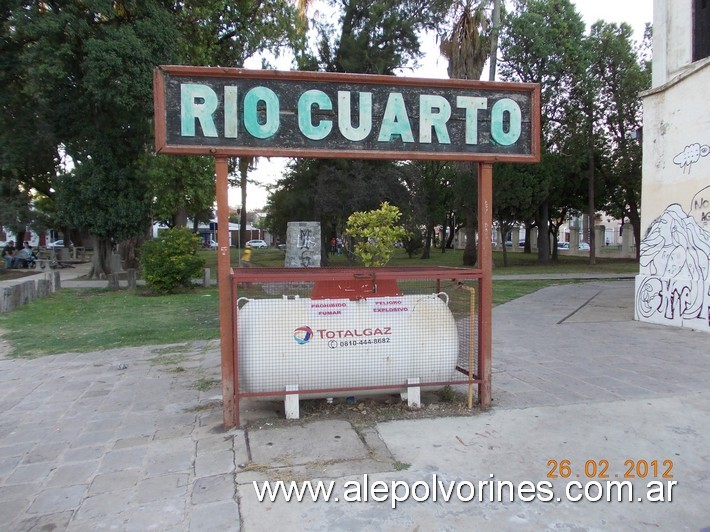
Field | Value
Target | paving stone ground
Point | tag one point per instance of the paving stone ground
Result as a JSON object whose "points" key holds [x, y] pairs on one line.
{"points": [[87, 445]]}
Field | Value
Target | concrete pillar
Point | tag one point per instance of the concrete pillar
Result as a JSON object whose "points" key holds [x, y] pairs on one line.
{"points": [[10, 298], [574, 239], [43, 288], [627, 238], [206, 278], [516, 238], [599, 235], [113, 281], [303, 244], [56, 281], [116, 266], [131, 274], [28, 292], [533, 238]]}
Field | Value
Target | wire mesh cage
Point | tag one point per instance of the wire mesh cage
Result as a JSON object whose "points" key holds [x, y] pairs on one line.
{"points": [[329, 332]]}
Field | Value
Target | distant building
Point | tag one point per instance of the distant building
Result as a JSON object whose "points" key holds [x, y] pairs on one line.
{"points": [[673, 285]]}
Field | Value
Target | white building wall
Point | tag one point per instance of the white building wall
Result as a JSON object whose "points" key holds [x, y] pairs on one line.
{"points": [[673, 285]]}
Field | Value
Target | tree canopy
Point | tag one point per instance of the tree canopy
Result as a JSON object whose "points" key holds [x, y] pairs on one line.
{"points": [[79, 80]]}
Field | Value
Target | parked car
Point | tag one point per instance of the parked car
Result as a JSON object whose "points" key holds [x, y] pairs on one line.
{"points": [[563, 245], [58, 244], [583, 246], [256, 244], [211, 244]]}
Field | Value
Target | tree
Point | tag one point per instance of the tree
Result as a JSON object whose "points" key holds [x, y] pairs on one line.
{"points": [[375, 37], [227, 33], [512, 198], [542, 42], [378, 233], [182, 187], [466, 45], [80, 97], [623, 72], [372, 36], [87, 70]]}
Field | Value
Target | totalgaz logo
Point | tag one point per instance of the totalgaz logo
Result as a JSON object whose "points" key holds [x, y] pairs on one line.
{"points": [[302, 335]]}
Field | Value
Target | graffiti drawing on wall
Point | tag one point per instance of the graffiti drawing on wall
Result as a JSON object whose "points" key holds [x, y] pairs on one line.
{"points": [[700, 208], [303, 247], [675, 267], [691, 155], [306, 243]]}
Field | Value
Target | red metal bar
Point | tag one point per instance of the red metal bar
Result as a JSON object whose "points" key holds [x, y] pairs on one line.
{"points": [[226, 308], [159, 109], [485, 260], [266, 275]]}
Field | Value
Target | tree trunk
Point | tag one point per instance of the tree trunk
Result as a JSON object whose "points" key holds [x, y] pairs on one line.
{"points": [[452, 231], [543, 236], [101, 259], [129, 251], [180, 218], [591, 206], [426, 253], [554, 231], [243, 171], [470, 252], [635, 221], [528, 230]]}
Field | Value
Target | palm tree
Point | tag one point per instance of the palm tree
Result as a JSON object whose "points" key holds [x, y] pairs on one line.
{"points": [[467, 48]]}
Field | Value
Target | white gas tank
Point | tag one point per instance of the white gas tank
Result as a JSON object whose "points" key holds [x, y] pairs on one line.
{"points": [[341, 343]]}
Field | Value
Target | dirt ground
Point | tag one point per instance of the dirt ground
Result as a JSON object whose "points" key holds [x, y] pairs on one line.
{"points": [[366, 412]]}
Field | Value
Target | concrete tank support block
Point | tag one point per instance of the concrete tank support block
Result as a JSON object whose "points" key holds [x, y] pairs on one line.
{"points": [[413, 394], [291, 402]]}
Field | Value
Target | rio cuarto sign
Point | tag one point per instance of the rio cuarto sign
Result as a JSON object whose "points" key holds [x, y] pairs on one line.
{"points": [[235, 112]]}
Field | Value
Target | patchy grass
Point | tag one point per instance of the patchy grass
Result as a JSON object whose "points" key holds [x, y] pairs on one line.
{"points": [[204, 385], [401, 466], [81, 320]]}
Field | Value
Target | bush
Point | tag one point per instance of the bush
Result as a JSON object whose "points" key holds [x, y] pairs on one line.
{"points": [[379, 233], [170, 261]]}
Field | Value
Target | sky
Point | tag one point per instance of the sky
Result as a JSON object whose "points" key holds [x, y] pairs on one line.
{"points": [[636, 13]]}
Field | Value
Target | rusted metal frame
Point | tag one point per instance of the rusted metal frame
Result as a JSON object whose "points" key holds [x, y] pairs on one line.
{"points": [[226, 308], [235, 348], [485, 260], [337, 274], [245, 151], [160, 121], [321, 77]]}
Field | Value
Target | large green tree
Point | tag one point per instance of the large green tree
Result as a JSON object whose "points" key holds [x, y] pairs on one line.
{"points": [[542, 41], [622, 71], [369, 37], [79, 79], [228, 33], [82, 72]]}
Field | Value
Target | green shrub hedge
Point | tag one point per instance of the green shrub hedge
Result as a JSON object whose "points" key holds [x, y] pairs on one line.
{"points": [[170, 261]]}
